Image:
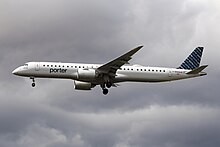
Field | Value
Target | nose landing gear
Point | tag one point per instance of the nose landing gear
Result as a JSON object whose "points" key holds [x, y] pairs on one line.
{"points": [[33, 84]]}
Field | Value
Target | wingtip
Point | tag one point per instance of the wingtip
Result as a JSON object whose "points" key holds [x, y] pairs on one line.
{"points": [[134, 50], [206, 65], [140, 46]]}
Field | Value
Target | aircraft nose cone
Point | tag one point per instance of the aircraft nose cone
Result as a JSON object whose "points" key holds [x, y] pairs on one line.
{"points": [[16, 71]]}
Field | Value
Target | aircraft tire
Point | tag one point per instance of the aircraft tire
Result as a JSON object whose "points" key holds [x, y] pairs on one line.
{"points": [[33, 84], [108, 85], [105, 91]]}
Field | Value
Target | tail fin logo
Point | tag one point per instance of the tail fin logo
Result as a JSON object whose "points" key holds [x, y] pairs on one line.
{"points": [[193, 60]]}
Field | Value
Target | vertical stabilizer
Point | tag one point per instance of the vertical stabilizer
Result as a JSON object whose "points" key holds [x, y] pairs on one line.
{"points": [[193, 60]]}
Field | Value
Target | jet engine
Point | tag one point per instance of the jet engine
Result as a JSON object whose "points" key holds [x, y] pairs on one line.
{"points": [[82, 85], [85, 74]]}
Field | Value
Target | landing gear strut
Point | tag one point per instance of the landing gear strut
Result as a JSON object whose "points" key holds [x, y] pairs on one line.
{"points": [[108, 84], [33, 84]]}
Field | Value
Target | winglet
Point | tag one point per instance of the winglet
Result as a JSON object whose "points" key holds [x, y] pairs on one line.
{"points": [[197, 70]]}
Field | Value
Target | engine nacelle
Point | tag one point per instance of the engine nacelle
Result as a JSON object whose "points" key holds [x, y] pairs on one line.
{"points": [[86, 74], [82, 85]]}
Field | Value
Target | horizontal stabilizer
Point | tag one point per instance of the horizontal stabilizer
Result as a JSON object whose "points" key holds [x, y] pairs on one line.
{"points": [[197, 70]]}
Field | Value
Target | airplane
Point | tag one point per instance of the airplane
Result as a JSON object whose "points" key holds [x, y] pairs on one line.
{"points": [[87, 76]]}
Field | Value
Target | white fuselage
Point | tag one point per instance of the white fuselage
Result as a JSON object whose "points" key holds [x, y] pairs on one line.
{"points": [[86, 72], [87, 76]]}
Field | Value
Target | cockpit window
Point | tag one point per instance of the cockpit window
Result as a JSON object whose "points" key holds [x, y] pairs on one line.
{"points": [[25, 66]]}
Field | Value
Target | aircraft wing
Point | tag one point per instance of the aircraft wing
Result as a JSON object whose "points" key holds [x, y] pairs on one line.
{"points": [[111, 67]]}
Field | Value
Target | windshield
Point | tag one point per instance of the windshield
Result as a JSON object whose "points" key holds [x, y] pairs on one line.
{"points": [[25, 66]]}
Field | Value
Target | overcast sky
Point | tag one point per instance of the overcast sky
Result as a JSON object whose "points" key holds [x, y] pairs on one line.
{"points": [[182, 113]]}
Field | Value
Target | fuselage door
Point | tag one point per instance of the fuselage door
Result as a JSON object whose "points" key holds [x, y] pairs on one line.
{"points": [[170, 73], [37, 66]]}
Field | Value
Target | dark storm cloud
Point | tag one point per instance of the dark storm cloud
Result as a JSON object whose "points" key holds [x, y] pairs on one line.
{"points": [[182, 113], [67, 27]]}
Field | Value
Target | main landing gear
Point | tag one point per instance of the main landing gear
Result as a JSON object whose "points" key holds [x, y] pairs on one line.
{"points": [[108, 84], [33, 82], [105, 90]]}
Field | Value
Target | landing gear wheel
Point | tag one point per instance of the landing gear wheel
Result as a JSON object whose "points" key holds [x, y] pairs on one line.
{"points": [[33, 84], [105, 91], [108, 84]]}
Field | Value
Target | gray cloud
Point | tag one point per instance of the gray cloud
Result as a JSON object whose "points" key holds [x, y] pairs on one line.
{"points": [[181, 113], [154, 126]]}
